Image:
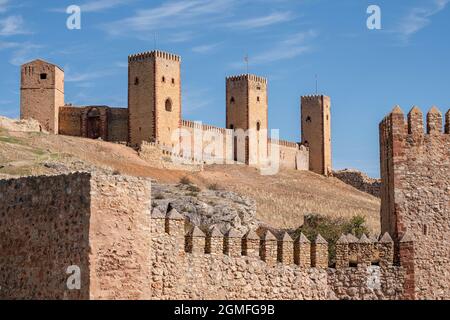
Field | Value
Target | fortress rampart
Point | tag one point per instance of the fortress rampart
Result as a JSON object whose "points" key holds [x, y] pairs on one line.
{"points": [[98, 224], [103, 225], [154, 114], [415, 170]]}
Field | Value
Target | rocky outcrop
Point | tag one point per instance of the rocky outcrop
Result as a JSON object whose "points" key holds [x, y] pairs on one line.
{"points": [[207, 208], [360, 181]]}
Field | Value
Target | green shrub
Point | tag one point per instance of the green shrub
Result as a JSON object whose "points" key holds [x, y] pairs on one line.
{"points": [[159, 197], [193, 188], [331, 229]]}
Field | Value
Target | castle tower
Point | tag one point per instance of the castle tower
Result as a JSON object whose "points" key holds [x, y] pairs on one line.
{"points": [[246, 108], [316, 132], [41, 93], [154, 97]]}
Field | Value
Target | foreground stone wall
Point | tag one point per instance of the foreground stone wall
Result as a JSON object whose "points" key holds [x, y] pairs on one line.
{"points": [[44, 228], [99, 224], [192, 265], [415, 169]]}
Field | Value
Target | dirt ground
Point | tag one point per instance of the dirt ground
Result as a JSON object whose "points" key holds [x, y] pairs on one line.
{"points": [[282, 199]]}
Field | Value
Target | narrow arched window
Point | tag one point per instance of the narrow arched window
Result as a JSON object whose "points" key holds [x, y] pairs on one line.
{"points": [[308, 119], [257, 98], [168, 105], [136, 81], [163, 79], [232, 100], [258, 126], [231, 126]]}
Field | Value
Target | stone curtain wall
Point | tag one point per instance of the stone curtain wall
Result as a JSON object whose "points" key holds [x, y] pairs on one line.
{"points": [[359, 181], [44, 228], [118, 125], [250, 267], [70, 121], [99, 224], [415, 168]]}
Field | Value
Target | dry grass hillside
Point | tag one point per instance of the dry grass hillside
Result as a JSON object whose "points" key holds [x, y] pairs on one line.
{"points": [[282, 199]]}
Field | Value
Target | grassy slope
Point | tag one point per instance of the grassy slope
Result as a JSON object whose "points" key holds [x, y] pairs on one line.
{"points": [[282, 199]]}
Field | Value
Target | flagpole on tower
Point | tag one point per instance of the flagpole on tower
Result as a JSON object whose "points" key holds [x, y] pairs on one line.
{"points": [[246, 61]]}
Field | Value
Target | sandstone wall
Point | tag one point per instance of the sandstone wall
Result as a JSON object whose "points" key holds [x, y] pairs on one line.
{"points": [[250, 267], [44, 227], [118, 124], [70, 121], [359, 181], [316, 132], [41, 93], [292, 156], [415, 169], [99, 224]]}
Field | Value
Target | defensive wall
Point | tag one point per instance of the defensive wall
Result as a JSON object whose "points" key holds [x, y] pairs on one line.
{"points": [[415, 195]]}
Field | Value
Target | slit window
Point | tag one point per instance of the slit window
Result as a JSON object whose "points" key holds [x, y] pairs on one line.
{"points": [[232, 101], [308, 119], [136, 81], [168, 105]]}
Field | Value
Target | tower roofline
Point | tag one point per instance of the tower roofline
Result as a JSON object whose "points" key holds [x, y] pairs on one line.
{"points": [[247, 76], [154, 53], [44, 61]]}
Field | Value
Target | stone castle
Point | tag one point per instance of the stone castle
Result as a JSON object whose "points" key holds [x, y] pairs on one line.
{"points": [[105, 224], [154, 114]]}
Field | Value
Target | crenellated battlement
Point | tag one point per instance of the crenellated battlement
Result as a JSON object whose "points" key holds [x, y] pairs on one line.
{"points": [[312, 97], [415, 170], [267, 247], [354, 252], [154, 54], [247, 77], [414, 122]]}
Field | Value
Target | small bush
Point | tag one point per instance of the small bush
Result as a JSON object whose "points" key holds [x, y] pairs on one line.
{"points": [[213, 186], [159, 197], [331, 229], [185, 180], [193, 188]]}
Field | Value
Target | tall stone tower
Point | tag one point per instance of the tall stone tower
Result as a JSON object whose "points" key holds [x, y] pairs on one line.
{"points": [[246, 108], [154, 97], [41, 93], [316, 132]]}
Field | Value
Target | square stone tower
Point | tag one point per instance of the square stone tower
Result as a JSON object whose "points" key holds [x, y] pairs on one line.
{"points": [[246, 108], [316, 132], [42, 93], [154, 97]]}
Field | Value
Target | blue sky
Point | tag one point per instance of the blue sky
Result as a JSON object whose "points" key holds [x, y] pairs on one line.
{"points": [[366, 72]]}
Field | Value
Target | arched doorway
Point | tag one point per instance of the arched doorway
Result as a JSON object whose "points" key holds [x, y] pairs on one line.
{"points": [[93, 124]]}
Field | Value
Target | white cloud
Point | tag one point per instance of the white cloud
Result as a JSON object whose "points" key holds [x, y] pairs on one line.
{"points": [[3, 5], [96, 5], [206, 48], [418, 18], [85, 76], [25, 52], [259, 22], [12, 25], [172, 14], [288, 48], [100, 5]]}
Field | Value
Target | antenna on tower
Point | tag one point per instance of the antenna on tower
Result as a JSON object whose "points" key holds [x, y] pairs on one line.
{"points": [[317, 84], [246, 61], [154, 39]]}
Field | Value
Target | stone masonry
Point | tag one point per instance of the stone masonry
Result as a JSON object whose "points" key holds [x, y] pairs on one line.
{"points": [[154, 115], [415, 196]]}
